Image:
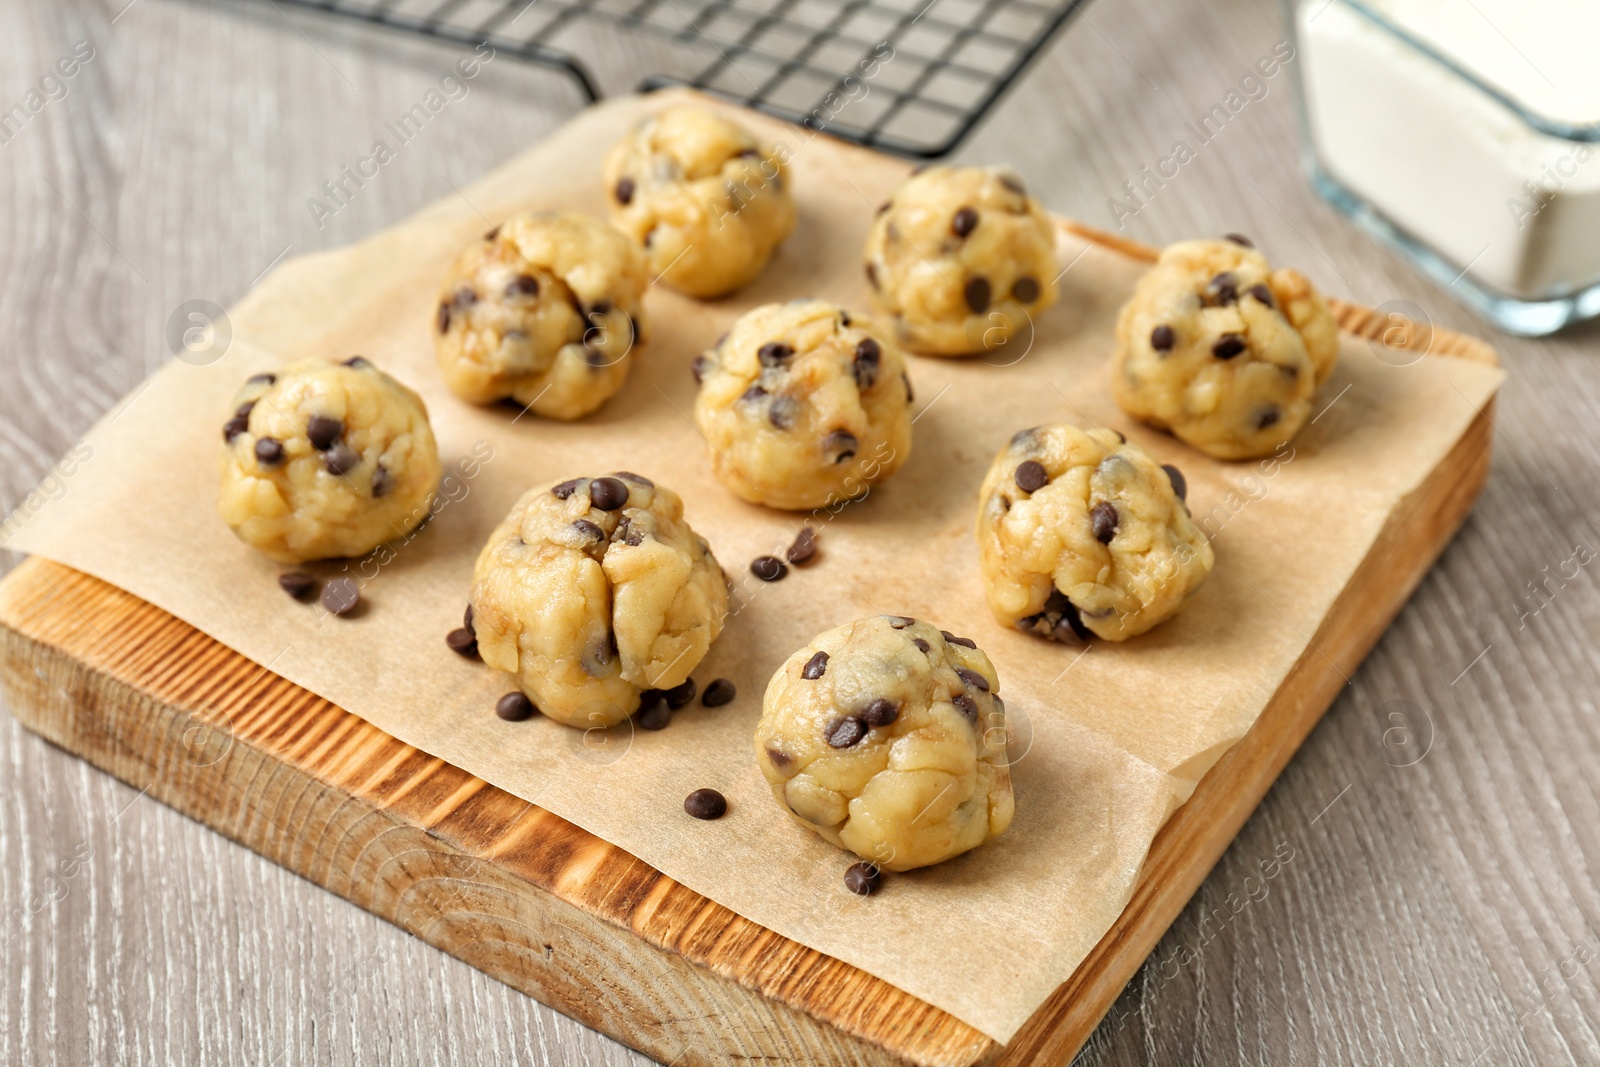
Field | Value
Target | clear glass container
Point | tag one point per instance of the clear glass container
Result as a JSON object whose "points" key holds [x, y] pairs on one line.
{"points": [[1464, 134]]}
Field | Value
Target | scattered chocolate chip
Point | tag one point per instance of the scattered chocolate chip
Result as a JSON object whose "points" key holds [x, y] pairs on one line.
{"points": [[977, 294], [1180, 484], [1025, 290], [706, 804], [901, 622], [1268, 417], [768, 568], [698, 368], [262, 379], [382, 481], [444, 317], [721, 691], [1031, 476], [608, 494], [323, 432], [1239, 239], [515, 706], [844, 732], [463, 642], [844, 319], [340, 458], [297, 583], [679, 695], [341, 595], [783, 412], [636, 479], [804, 547], [779, 757], [562, 490], [1262, 293], [881, 712], [965, 221], [920, 643], [1228, 345], [624, 191], [654, 712], [588, 530], [522, 285], [1071, 625], [1014, 183], [839, 446], [868, 355], [269, 451], [1163, 337], [235, 426], [774, 354], [862, 879], [754, 394], [965, 642], [973, 678], [906, 378], [492, 234], [815, 667], [1221, 290], [967, 706], [1103, 520]]}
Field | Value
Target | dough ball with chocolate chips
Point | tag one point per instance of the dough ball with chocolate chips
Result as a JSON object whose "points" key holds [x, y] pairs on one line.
{"points": [[323, 460], [961, 260], [1081, 534], [1222, 350], [705, 200], [887, 737], [546, 310], [593, 591], [803, 406]]}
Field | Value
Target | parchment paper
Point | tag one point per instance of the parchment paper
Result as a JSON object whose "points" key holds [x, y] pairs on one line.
{"points": [[1106, 743]]}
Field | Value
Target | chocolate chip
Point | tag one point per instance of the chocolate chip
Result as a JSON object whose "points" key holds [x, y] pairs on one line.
{"points": [[883, 208], [698, 368], [844, 319], [1103, 521], [706, 804], [1163, 337], [444, 317], [1268, 417], [881, 712], [340, 458], [463, 642], [562, 490], [815, 667], [522, 285], [588, 530], [1071, 625], [753, 395], [235, 426], [872, 275], [1026, 290], [779, 757], [679, 695], [768, 568], [636, 479], [973, 678], [269, 451], [1031, 476], [466, 619], [341, 595], [624, 191], [1221, 290], [653, 713], [901, 622], [608, 494], [906, 378], [1262, 293], [965, 642], [839, 445], [804, 547], [262, 379], [967, 706], [382, 481], [977, 294], [515, 706], [297, 583], [1180, 484], [465, 297], [783, 412], [1239, 239], [721, 691], [844, 732], [1014, 183], [774, 354], [865, 368], [323, 432], [492, 234], [862, 878], [965, 221], [1228, 345], [920, 643]]}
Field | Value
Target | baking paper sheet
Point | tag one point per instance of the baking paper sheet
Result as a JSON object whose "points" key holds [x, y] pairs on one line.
{"points": [[1106, 743]]}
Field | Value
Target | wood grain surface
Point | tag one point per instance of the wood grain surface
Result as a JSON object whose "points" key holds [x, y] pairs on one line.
{"points": [[1440, 905]]}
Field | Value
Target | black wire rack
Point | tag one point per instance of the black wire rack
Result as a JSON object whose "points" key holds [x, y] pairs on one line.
{"points": [[907, 76]]}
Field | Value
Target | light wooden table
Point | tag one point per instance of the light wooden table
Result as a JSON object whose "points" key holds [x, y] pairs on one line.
{"points": [[1441, 904]]}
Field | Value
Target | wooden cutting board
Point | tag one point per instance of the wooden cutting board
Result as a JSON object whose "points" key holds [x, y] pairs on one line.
{"points": [[571, 920]]}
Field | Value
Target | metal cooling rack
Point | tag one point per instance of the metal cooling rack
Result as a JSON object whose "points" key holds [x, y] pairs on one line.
{"points": [[817, 62]]}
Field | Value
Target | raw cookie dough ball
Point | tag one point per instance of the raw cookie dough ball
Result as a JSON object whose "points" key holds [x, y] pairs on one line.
{"points": [[322, 460], [546, 310], [1222, 350], [961, 259], [706, 201], [887, 737], [802, 406], [594, 590], [1081, 533]]}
